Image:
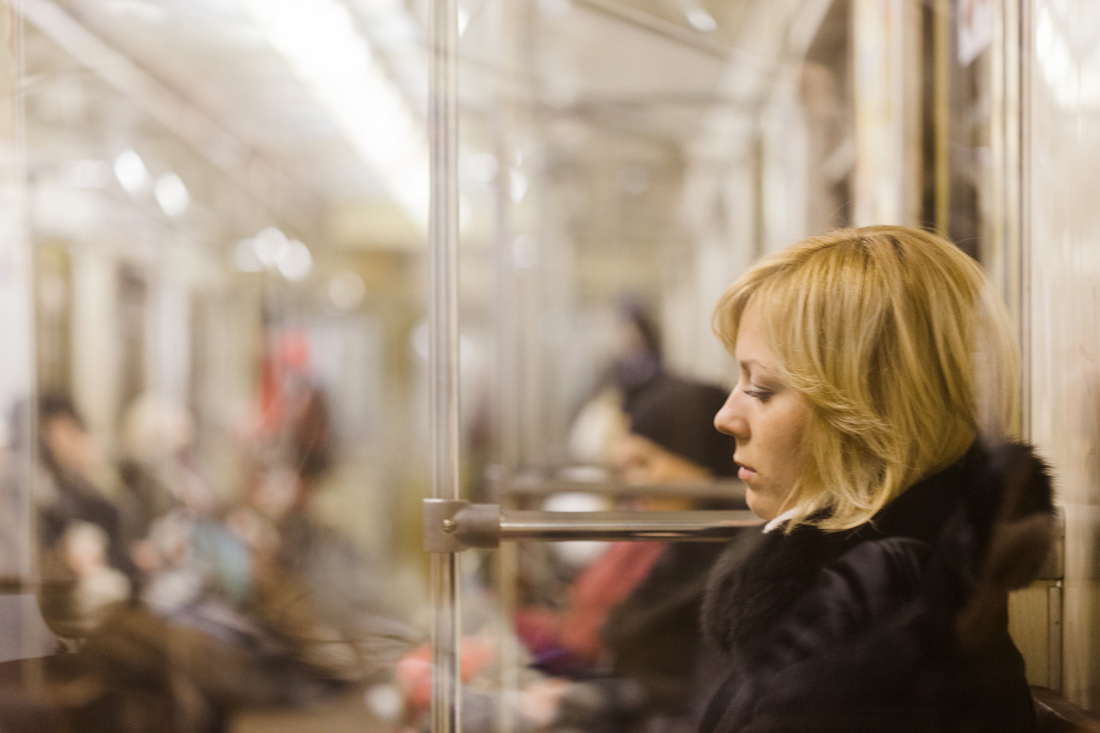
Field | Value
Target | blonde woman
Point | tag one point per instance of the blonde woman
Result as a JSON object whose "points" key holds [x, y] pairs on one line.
{"points": [[873, 418]]}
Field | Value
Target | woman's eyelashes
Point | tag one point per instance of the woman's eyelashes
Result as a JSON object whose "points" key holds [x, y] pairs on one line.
{"points": [[758, 393]]}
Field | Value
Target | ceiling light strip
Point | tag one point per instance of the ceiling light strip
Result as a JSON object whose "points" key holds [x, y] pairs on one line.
{"points": [[320, 42], [243, 165]]}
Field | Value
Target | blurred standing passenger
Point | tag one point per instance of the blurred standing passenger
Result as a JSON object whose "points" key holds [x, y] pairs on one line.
{"points": [[638, 358], [876, 398], [294, 423], [636, 365]]}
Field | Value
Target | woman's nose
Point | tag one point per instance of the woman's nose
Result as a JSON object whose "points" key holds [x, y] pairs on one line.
{"points": [[729, 419]]}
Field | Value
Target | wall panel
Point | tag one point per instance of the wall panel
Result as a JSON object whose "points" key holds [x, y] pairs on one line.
{"points": [[1063, 281]]}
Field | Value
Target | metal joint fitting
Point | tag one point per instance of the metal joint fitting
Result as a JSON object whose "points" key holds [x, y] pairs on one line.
{"points": [[455, 525]]}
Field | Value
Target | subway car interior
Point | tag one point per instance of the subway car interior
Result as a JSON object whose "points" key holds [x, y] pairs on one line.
{"points": [[330, 327]]}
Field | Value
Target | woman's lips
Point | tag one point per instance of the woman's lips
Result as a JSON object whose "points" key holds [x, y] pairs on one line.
{"points": [[745, 472]]}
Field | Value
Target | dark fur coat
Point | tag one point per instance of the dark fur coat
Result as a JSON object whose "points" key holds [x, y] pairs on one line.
{"points": [[897, 625]]}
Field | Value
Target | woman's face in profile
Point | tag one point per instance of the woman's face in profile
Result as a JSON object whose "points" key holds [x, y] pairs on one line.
{"points": [[767, 418]]}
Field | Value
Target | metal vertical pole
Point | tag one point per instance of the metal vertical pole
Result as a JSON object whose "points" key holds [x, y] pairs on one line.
{"points": [[941, 105], [1024, 40], [504, 24], [443, 326]]}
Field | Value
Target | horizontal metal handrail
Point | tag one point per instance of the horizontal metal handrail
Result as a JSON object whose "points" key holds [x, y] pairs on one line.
{"points": [[452, 526], [13, 585], [527, 486], [703, 526]]}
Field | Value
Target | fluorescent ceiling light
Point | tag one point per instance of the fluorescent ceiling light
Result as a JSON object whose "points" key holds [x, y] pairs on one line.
{"points": [[319, 40], [271, 250], [519, 186], [701, 20], [171, 194], [698, 16], [131, 172], [294, 261], [267, 245], [346, 290]]}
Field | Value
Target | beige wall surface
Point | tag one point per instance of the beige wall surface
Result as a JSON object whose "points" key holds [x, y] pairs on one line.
{"points": [[1063, 263]]}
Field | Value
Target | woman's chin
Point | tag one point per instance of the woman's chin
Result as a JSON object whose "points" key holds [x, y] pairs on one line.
{"points": [[761, 506]]}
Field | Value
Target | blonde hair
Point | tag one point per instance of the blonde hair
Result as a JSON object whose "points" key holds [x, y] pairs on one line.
{"points": [[904, 354]]}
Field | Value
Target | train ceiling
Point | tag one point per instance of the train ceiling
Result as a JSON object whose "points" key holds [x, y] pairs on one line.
{"points": [[599, 99]]}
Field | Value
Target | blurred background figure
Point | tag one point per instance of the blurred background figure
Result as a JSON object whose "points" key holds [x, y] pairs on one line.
{"points": [[69, 491], [294, 424], [635, 363], [186, 607], [158, 473], [249, 603], [630, 624], [84, 553], [638, 361]]}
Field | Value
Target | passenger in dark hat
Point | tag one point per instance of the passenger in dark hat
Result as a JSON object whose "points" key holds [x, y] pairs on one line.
{"points": [[672, 436], [649, 640]]}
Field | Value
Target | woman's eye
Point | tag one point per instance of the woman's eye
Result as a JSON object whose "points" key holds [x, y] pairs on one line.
{"points": [[759, 394]]}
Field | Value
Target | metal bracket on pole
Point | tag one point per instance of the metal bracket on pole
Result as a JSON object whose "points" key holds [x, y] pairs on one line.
{"points": [[456, 525]]}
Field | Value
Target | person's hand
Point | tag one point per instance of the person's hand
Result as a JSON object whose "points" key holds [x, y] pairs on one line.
{"points": [[540, 701], [84, 548], [414, 670]]}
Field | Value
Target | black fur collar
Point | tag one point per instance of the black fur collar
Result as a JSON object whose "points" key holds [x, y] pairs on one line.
{"points": [[761, 574]]}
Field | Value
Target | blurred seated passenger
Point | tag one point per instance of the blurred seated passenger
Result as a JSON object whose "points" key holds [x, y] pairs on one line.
{"points": [[298, 559], [632, 618], [157, 471], [68, 491], [84, 560], [877, 395], [256, 605]]}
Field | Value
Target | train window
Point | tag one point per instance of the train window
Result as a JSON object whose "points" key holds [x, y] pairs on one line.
{"points": [[218, 232]]}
